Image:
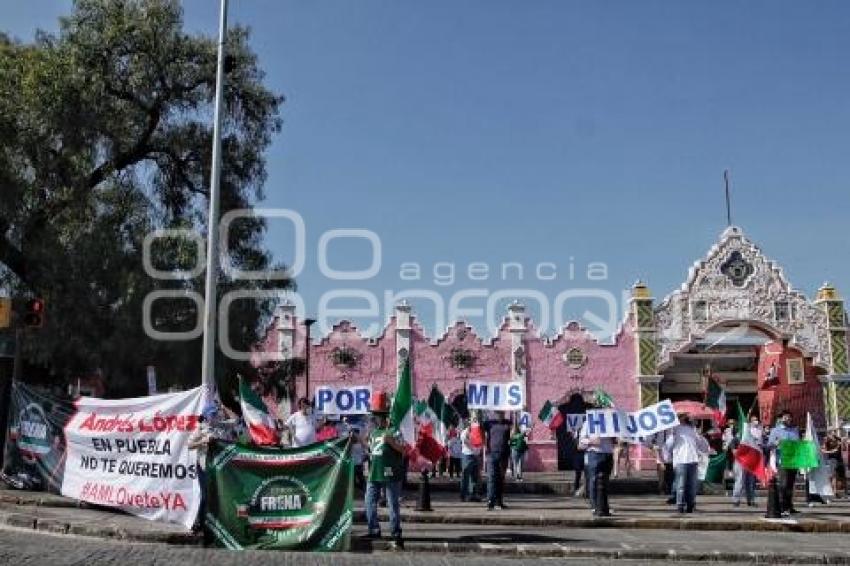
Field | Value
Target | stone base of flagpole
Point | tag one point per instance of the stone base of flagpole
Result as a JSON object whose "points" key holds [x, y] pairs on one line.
{"points": [[774, 509], [424, 503]]}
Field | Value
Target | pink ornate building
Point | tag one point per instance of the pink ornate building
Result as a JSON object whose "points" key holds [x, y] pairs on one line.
{"points": [[735, 316]]}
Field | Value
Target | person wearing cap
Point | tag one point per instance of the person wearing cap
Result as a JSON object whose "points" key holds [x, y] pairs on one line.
{"points": [[686, 445], [386, 469]]}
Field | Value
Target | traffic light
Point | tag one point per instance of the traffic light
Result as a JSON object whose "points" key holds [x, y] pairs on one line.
{"points": [[34, 313], [5, 312]]}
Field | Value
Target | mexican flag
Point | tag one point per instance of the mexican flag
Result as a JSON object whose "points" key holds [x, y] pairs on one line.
{"points": [[254, 411], [551, 416], [715, 398], [442, 415], [401, 415], [749, 454]]}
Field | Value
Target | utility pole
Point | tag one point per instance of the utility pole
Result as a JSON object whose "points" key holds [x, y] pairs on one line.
{"points": [[308, 322], [208, 362]]}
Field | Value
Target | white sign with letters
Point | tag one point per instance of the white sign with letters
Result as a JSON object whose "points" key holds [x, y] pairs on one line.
{"points": [[352, 400], [495, 395], [631, 426]]}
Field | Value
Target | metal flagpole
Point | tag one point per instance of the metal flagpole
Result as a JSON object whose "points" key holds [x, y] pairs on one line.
{"points": [[208, 362], [728, 205]]}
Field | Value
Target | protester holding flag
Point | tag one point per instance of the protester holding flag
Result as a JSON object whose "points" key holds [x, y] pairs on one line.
{"points": [[386, 468], [302, 424], [470, 465], [731, 439], [686, 445], [784, 430], [745, 479]]}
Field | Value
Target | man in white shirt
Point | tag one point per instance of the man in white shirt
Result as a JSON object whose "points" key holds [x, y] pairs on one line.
{"points": [[302, 423], [685, 445], [599, 454]]}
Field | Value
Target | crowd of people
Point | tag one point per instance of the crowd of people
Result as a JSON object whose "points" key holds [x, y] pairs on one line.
{"points": [[499, 445]]}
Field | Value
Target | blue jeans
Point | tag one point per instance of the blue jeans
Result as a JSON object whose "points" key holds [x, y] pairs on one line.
{"points": [[599, 463], [469, 476], [687, 483], [495, 478], [517, 459], [373, 490], [745, 483]]}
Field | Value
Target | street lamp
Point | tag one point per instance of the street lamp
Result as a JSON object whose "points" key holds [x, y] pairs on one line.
{"points": [[308, 322], [208, 356]]}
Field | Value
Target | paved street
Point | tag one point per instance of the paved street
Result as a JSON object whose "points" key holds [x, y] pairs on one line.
{"points": [[25, 548], [538, 527]]}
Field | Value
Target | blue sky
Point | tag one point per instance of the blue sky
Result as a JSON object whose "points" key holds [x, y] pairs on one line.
{"points": [[562, 132]]}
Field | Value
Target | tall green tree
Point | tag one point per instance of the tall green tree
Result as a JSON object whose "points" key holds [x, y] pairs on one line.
{"points": [[106, 135]]}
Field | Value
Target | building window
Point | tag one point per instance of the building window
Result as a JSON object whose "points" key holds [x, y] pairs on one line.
{"points": [[699, 310], [575, 358], [781, 311], [796, 371]]}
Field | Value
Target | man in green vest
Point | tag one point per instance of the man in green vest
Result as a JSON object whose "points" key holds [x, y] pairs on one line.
{"points": [[386, 469]]}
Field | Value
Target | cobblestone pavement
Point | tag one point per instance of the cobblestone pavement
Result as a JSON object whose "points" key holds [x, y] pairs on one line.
{"points": [[23, 548]]}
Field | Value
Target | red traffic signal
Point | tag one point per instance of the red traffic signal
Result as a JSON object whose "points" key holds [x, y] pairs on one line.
{"points": [[34, 313]]}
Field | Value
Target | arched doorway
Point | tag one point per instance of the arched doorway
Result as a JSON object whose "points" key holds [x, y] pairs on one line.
{"points": [[741, 356]]}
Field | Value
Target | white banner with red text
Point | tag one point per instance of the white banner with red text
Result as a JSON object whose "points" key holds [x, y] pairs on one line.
{"points": [[134, 454]]}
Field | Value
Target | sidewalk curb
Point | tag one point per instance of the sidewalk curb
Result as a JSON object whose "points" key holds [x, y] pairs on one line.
{"points": [[22, 500], [672, 523], [536, 551], [552, 550], [23, 520]]}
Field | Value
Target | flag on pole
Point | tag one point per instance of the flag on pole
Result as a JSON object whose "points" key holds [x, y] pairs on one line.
{"points": [[550, 415], [443, 416], [401, 415], [260, 424], [819, 480], [743, 425], [715, 398]]}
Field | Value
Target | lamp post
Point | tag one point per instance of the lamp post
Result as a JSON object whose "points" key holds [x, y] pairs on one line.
{"points": [[308, 322], [208, 359]]}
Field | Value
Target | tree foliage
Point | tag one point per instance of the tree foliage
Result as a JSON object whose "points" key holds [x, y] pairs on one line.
{"points": [[105, 136]]}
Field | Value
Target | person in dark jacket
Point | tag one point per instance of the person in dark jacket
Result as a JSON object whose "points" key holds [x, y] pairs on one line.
{"points": [[497, 433]]}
